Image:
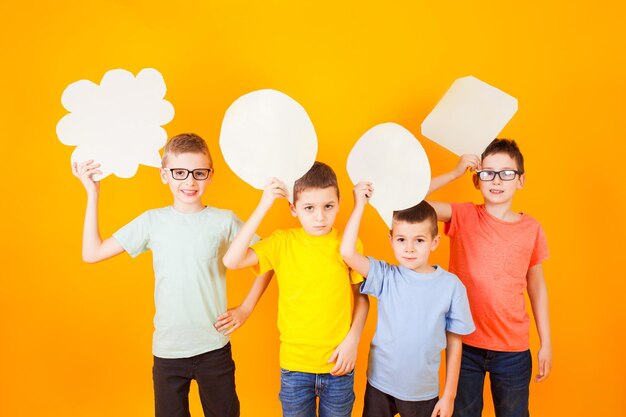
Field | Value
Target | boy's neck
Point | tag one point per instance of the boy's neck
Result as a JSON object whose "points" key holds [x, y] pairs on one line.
{"points": [[317, 235], [425, 269], [188, 208], [502, 212]]}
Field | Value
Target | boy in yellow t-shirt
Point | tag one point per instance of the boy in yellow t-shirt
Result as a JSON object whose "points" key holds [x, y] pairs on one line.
{"points": [[319, 334]]}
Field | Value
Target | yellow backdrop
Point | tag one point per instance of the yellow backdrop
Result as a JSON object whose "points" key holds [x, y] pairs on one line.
{"points": [[75, 338]]}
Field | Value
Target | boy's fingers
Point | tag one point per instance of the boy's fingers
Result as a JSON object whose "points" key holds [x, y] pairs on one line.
{"points": [[223, 316]]}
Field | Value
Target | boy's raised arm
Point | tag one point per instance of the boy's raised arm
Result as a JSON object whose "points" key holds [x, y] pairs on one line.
{"points": [[349, 253], [239, 254], [444, 210], [94, 248]]}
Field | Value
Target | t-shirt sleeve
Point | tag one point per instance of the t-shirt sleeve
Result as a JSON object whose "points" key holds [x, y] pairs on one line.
{"points": [[459, 212], [267, 252], [374, 283], [135, 236], [459, 317], [540, 250], [355, 277]]}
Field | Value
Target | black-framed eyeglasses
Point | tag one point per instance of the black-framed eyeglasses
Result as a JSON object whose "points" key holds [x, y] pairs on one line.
{"points": [[505, 175], [199, 174]]}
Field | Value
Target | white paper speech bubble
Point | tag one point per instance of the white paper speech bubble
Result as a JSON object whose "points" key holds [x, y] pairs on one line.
{"points": [[394, 161], [268, 134], [469, 116], [117, 123]]}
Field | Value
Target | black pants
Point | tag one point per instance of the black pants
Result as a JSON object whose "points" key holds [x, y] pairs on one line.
{"points": [[213, 371], [379, 404]]}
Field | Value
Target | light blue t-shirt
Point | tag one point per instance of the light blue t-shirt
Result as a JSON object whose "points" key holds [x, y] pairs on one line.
{"points": [[414, 312], [190, 278]]}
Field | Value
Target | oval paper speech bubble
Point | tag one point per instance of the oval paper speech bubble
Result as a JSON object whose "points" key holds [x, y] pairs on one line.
{"points": [[268, 134], [117, 123], [394, 161]]}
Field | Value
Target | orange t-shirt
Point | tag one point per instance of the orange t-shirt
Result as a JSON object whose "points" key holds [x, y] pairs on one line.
{"points": [[492, 258]]}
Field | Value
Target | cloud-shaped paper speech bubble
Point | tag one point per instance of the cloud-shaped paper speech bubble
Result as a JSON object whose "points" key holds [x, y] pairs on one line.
{"points": [[117, 123], [391, 158], [469, 116], [268, 134]]}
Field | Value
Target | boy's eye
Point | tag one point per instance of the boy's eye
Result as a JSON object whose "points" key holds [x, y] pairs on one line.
{"points": [[420, 240], [329, 206], [308, 208], [180, 173], [400, 239]]}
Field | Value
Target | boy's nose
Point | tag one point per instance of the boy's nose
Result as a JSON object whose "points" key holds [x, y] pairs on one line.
{"points": [[408, 247]]}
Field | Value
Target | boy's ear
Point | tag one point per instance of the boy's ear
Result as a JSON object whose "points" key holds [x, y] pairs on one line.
{"points": [[435, 243], [476, 181], [163, 174], [293, 210], [522, 179]]}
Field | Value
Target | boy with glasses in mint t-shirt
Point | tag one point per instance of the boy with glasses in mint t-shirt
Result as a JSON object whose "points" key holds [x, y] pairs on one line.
{"points": [[187, 240], [498, 254]]}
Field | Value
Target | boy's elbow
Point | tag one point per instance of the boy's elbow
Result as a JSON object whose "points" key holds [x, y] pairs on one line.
{"points": [[228, 262], [90, 258]]}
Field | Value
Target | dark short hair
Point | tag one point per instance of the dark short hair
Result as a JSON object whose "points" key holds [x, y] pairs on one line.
{"points": [[418, 214], [319, 176], [185, 143], [506, 146]]}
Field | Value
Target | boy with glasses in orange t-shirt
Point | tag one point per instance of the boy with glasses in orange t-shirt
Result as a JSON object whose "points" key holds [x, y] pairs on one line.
{"points": [[497, 253]]}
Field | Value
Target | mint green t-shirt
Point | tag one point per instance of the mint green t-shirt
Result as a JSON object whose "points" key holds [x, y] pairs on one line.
{"points": [[190, 278]]}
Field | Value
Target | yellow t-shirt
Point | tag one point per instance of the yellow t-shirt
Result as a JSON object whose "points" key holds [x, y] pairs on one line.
{"points": [[314, 287]]}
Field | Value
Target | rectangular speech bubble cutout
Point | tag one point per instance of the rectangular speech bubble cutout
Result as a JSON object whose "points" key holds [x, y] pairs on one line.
{"points": [[469, 116]]}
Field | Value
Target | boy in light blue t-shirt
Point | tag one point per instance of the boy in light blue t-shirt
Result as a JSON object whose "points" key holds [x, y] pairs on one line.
{"points": [[422, 309]]}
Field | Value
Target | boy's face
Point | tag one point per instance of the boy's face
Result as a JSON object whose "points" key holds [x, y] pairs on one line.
{"points": [[187, 192], [498, 191], [412, 244], [316, 208]]}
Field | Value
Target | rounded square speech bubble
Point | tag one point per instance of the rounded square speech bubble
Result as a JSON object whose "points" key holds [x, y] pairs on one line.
{"points": [[469, 116], [117, 123], [268, 134], [394, 161]]}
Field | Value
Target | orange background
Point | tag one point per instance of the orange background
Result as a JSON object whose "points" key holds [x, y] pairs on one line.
{"points": [[75, 338]]}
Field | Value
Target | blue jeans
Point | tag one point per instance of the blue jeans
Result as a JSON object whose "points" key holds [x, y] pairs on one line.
{"points": [[509, 374], [298, 392]]}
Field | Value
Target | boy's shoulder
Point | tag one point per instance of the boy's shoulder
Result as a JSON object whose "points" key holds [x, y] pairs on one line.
{"points": [[449, 277]]}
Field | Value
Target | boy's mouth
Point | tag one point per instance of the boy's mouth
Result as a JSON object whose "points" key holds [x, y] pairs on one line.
{"points": [[189, 193], [496, 191]]}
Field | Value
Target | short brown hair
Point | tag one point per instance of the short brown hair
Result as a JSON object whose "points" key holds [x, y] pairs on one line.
{"points": [[186, 143], [319, 176], [506, 146], [417, 214]]}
